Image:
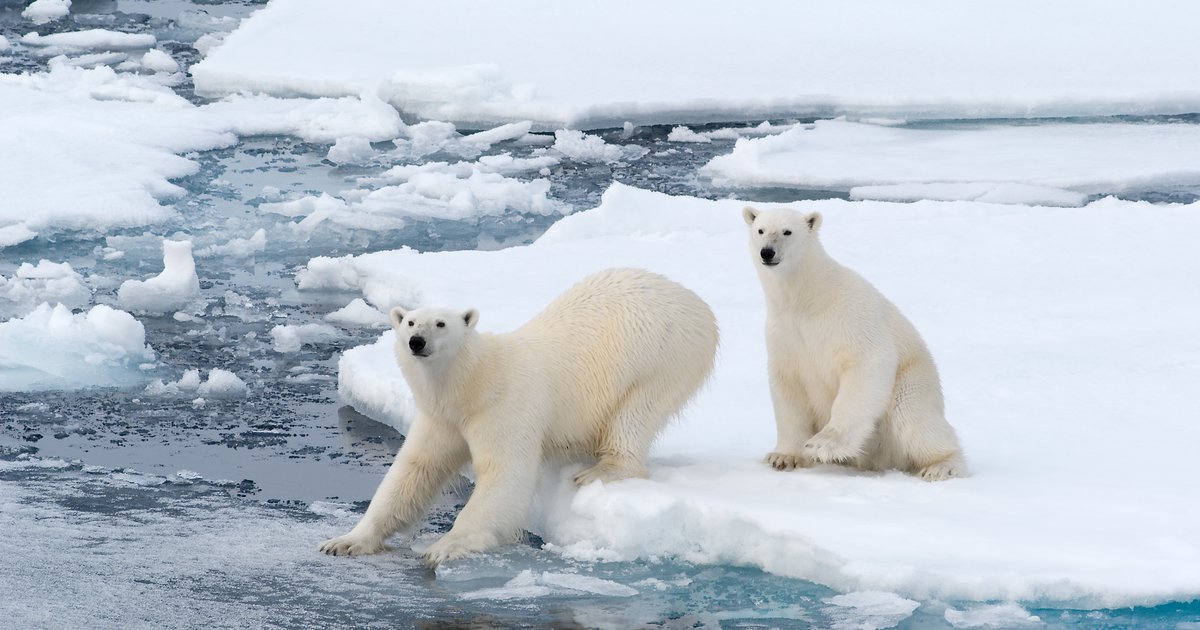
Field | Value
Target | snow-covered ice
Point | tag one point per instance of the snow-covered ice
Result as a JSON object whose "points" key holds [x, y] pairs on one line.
{"points": [[592, 65], [1036, 317], [91, 39], [54, 283], [358, 313], [1057, 164]]}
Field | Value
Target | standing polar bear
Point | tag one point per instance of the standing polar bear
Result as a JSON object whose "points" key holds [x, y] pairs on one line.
{"points": [[598, 373], [851, 380]]}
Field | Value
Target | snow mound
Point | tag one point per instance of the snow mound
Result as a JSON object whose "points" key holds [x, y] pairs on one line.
{"points": [[518, 61], [1056, 164], [1049, 345], [52, 348], [170, 290]]}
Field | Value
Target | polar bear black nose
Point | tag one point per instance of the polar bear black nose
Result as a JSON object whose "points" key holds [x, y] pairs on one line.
{"points": [[416, 343], [767, 253]]}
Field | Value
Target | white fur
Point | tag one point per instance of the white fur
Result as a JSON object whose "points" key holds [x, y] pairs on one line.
{"points": [[851, 380], [597, 374]]}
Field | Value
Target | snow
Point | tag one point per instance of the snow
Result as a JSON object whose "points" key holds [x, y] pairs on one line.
{"points": [[238, 247], [1064, 346], [1039, 164], [173, 289], [683, 61], [53, 348], [45, 11]]}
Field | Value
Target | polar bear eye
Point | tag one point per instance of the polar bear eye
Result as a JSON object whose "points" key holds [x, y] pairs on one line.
{"points": [[760, 231], [787, 232], [441, 324], [411, 323]]}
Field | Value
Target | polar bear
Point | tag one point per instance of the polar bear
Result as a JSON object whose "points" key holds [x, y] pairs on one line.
{"points": [[598, 374], [851, 380]]}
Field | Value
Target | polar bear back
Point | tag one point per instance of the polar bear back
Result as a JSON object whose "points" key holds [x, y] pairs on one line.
{"points": [[613, 331]]}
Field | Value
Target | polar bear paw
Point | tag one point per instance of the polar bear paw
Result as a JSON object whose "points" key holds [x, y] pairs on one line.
{"points": [[945, 469], [352, 545], [829, 448], [453, 546], [787, 461], [609, 472]]}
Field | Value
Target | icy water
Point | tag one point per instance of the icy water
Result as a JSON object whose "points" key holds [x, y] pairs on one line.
{"points": [[119, 509]]}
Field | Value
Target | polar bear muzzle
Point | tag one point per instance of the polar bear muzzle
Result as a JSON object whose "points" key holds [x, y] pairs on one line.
{"points": [[416, 343]]}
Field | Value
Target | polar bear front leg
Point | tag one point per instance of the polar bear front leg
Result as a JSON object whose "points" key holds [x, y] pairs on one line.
{"points": [[793, 424], [430, 455], [861, 401], [506, 477]]}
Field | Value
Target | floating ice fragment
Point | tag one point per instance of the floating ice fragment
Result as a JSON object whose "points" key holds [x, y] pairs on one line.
{"points": [[358, 313], [526, 585], [685, 134], [170, 290], [91, 39], [48, 282], [220, 384], [869, 610], [582, 147], [44, 11], [5, 46], [238, 247], [290, 338], [159, 61], [53, 348], [1008, 615], [350, 150]]}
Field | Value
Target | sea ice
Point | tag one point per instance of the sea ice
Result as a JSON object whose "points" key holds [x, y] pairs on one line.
{"points": [[992, 617], [581, 147], [170, 290], [1057, 164], [1034, 322], [159, 61], [695, 61], [238, 247]]}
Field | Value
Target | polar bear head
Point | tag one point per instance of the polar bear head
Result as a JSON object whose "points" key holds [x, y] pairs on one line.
{"points": [[431, 335], [779, 238]]}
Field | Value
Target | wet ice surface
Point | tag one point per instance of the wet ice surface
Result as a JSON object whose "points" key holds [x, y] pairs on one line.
{"points": [[137, 508]]}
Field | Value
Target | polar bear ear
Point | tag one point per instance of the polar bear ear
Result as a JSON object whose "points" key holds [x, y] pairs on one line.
{"points": [[813, 219], [470, 317], [397, 315], [749, 214]]}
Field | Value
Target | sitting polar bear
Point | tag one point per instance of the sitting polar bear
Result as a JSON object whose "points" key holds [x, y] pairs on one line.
{"points": [[851, 380], [598, 373]]}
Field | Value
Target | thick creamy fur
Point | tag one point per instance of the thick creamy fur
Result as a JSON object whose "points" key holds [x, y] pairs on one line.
{"points": [[851, 380], [596, 375]]}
